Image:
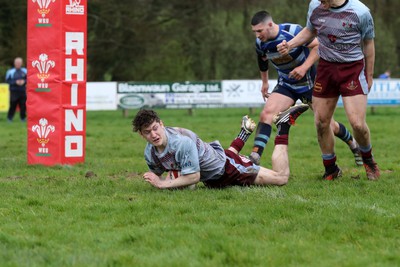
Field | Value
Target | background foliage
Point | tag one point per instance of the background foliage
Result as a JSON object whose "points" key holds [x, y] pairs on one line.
{"points": [[154, 40]]}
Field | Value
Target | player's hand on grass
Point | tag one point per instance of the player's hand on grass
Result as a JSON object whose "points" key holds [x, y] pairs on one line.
{"points": [[153, 179]]}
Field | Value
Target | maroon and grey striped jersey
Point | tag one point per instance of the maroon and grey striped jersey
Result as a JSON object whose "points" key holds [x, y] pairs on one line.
{"points": [[341, 31]]}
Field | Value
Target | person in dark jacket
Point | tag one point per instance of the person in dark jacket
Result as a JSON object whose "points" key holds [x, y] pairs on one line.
{"points": [[16, 78]]}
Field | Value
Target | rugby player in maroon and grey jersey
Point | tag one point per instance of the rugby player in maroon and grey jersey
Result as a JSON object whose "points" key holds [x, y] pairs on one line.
{"points": [[345, 31], [179, 150]]}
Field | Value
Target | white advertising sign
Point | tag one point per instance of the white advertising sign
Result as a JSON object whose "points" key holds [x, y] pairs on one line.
{"points": [[101, 96], [244, 92]]}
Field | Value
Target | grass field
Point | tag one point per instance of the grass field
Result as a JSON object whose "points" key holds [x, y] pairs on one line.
{"points": [[55, 216]]}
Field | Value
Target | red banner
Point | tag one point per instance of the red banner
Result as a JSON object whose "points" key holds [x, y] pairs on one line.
{"points": [[56, 88]]}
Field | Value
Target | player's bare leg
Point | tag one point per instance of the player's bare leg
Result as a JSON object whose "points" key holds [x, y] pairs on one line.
{"points": [[276, 103], [323, 114], [341, 132], [355, 107], [279, 175]]}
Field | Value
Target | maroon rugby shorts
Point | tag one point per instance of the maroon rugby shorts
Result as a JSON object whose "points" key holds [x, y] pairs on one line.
{"points": [[345, 79], [238, 171]]}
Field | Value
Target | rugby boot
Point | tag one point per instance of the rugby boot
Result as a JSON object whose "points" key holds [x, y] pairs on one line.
{"points": [[290, 115], [248, 125], [372, 169], [333, 175]]}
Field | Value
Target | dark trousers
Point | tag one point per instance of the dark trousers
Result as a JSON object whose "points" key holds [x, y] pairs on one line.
{"points": [[17, 98]]}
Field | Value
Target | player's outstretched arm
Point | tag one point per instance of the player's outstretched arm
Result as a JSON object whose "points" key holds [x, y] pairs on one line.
{"points": [[265, 84], [299, 72], [181, 181], [300, 39]]}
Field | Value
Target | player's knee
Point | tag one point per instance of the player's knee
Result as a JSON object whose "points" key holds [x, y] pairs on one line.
{"points": [[284, 179], [359, 127], [266, 115], [322, 125]]}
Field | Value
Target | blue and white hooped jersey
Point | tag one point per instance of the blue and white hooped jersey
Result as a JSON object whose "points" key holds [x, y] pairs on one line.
{"points": [[187, 153], [285, 64]]}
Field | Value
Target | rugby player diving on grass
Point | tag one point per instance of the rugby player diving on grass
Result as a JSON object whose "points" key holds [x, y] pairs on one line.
{"points": [[173, 149]]}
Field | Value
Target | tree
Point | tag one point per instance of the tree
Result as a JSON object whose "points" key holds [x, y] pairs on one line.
{"points": [[154, 40]]}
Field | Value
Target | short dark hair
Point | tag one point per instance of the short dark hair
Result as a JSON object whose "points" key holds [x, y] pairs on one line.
{"points": [[144, 118], [260, 16]]}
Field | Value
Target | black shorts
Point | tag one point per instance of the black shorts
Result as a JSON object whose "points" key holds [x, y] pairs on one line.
{"points": [[305, 97]]}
